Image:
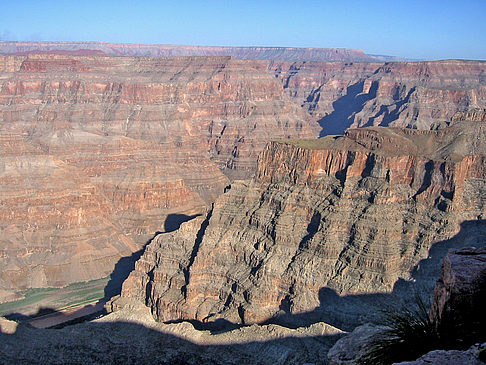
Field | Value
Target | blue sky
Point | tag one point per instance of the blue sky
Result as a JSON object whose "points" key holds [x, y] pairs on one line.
{"points": [[427, 29]]}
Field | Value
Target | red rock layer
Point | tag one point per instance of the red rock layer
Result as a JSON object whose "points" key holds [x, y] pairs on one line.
{"points": [[317, 85], [351, 214], [115, 145], [402, 94]]}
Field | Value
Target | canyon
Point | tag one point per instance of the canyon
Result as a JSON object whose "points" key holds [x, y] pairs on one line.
{"points": [[205, 161], [99, 153], [243, 244], [325, 226], [419, 95]]}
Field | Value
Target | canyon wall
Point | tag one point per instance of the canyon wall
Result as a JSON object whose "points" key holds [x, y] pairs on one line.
{"points": [[99, 153], [170, 50], [324, 227], [420, 95]]}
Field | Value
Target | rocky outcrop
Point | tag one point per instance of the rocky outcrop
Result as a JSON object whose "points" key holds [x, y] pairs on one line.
{"points": [[167, 50], [460, 298], [473, 115], [132, 336], [456, 319], [324, 88], [451, 357], [419, 94], [351, 215], [401, 94], [352, 348], [99, 153]]}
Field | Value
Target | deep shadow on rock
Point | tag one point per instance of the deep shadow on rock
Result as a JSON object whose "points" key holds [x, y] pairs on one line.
{"points": [[131, 343], [174, 221], [345, 108], [112, 342], [125, 265], [348, 311]]}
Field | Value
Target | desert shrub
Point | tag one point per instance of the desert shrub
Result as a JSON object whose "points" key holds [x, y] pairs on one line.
{"points": [[409, 335]]}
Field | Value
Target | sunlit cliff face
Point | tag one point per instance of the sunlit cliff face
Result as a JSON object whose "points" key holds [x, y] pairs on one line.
{"points": [[350, 216], [98, 151]]}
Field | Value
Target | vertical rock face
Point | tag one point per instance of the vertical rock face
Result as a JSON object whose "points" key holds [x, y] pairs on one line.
{"points": [[318, 85], [97, 152], [402, 94], [460, 298], [419, 94], [351, 215]]}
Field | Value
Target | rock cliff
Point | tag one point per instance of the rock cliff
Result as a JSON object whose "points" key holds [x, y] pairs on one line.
{"points": [[168, 50], [324, 225], [455, 322], [401, 94], [460, 298], [97, 152], [137, 140]]}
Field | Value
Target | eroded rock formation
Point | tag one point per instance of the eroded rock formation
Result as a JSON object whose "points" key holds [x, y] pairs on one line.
{"points": [[97, 152], [351, 215], [135, 140], [400, 94]]}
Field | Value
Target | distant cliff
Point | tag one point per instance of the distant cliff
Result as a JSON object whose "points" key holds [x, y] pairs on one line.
{"points": [[169, 50], [352, 215], [420, 95]]}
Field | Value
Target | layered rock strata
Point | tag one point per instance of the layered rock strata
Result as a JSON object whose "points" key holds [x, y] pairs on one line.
{"points": [[167, 50], [316, 86], [98, 153], [401, 94], [324, 224]]}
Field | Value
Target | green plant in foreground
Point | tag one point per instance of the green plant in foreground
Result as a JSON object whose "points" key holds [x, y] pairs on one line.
{"points": [[410, 334]]}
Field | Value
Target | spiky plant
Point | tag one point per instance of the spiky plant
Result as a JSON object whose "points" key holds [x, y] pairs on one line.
{"points": [[409, 335]]}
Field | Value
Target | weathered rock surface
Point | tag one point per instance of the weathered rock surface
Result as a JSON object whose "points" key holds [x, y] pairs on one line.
{"points": [[400, 94], [460, 298], [167, 50], [99, 153], [450, 357], [354, 90], [354, 215], [457, 314], [324, 88], [132, 336], [350, 349], [419, 94]]}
